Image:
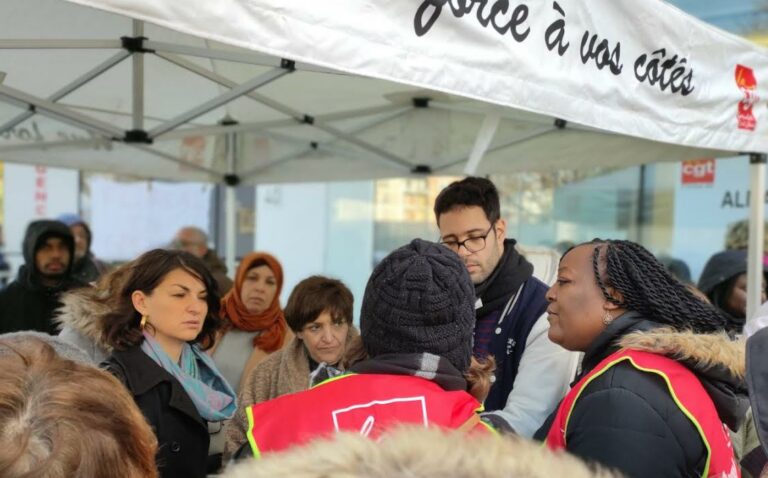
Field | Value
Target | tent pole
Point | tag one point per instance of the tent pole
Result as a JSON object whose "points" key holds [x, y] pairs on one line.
{"points": [[231, 203], [299, 116], [238, 56], [756, 232], [58, 112], [69, 88], [48, 44], [451, 162], [138, 80], [230, 206], [484, 137], [234, 93]]}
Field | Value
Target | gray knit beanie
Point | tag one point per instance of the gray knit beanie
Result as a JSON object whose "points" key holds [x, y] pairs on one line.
{"points": [[420, 298]]}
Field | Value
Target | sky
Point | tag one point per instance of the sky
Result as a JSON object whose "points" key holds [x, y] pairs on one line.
{"points": [[738, 16]]}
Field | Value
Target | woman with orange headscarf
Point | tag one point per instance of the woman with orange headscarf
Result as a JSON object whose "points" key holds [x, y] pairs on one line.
{"points": [[255, 324]]}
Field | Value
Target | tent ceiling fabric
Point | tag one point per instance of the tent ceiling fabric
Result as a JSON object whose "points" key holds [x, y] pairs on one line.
{"points": [[348, 110]]}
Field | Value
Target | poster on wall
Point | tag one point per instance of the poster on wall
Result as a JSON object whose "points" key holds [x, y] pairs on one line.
{"points": [[129, 218], [698, 172], [710, 196]]}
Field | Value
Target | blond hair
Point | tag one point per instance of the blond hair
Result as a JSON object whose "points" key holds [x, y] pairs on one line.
{"points": [[411, 452], [60, 418]]}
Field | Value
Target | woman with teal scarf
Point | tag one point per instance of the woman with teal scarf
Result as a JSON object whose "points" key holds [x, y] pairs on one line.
{"points": [[163, 318]]}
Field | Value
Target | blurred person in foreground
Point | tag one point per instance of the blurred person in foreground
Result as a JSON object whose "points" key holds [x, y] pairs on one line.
{"points": [[30, 302], [411, 452], [60, 418]]}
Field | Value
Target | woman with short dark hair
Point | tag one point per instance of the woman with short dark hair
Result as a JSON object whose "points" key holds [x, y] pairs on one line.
{"points": [[319, 312], [163, 317]]}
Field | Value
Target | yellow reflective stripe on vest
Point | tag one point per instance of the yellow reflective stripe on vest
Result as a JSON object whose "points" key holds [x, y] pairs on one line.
{"points": [[249, 433], [333, 379], [671, 391]]}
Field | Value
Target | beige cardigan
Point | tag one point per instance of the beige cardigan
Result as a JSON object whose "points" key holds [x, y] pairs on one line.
{"points": [[285, 371]]}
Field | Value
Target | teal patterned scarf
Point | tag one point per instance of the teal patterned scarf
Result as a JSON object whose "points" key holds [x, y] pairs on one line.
{"points": [[212, 395]]}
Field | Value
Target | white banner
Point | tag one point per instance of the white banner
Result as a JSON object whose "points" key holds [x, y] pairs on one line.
{"points": [[641, 68]]}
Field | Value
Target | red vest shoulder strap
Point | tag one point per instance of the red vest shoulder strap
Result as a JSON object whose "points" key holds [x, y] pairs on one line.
{"points": [[685, 389]]}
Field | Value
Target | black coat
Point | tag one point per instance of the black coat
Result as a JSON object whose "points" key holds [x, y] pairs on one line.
{"points": [[626, 419], [182, 434], [27, 304]]}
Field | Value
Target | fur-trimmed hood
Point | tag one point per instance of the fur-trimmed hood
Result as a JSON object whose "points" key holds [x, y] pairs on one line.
{"points": [[84, 315], [700, 352], [717, 360]]}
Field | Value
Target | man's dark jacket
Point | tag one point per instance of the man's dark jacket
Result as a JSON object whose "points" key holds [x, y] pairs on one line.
{"points": [[27, 304]]}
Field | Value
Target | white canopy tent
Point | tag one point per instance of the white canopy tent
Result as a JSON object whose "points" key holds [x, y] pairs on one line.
{"points": [[300, 90]]}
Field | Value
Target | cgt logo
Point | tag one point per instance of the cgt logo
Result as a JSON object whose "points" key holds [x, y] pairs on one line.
{"points": [[698, 171], [747, 83]]}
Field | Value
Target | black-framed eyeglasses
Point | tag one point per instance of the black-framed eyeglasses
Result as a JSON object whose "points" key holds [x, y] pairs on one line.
{"points": [[471, 244]]}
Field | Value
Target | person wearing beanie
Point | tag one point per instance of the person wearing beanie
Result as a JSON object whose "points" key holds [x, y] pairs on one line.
{"points": [[532, 372], [86, 267], [416, 326], [724, 282], [29, 302]]}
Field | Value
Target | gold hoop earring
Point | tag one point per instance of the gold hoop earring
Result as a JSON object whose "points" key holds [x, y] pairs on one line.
{"points": [[607, 318], [143, 322]]}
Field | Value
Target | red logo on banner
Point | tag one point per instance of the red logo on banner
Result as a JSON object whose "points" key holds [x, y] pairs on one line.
{"points": [[745, 80], [698, 171]]}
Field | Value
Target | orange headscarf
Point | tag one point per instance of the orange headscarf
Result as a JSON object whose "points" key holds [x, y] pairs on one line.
{"points": [[272, 321]]}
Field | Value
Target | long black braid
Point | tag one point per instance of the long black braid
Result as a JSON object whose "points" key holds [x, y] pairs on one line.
{"points": [[647, 288]]}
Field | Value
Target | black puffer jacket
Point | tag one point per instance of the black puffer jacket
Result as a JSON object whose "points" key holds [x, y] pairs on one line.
{"points": [[27, 304], [627, 419], [182, 435]]}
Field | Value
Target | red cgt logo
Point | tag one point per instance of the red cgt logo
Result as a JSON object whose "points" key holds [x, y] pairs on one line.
{"points": [[698, 171], [747, 83]]}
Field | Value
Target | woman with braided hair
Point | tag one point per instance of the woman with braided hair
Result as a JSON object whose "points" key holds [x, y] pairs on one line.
{"points": [[660, 378]]}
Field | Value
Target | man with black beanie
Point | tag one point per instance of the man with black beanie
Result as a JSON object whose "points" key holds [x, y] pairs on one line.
{"points": [[29, 302], [532, 373], [416, 327]]}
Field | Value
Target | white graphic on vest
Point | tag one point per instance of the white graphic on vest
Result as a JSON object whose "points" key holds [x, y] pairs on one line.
{"points": [[372, 417]]}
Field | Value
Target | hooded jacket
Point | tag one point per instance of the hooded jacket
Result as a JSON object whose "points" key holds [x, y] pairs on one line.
{"points": [[81, 321], [28, 304], [627, 419], [86, 269]]}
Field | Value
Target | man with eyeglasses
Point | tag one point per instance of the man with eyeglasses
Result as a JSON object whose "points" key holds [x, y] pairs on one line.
{"points": [[532, 373]]}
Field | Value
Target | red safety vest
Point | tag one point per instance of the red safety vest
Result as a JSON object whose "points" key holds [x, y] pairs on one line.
{"points": [[686, 391], [366, 403]]}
